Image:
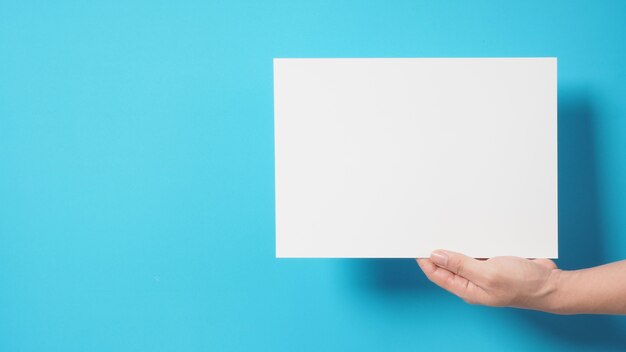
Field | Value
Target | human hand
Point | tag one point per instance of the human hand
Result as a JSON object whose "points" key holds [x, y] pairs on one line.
{"points": [[497, 282]]}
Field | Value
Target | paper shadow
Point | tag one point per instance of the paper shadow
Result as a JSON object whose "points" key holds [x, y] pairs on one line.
{"points": [[581, 236], [389, 276], [580, 222]]}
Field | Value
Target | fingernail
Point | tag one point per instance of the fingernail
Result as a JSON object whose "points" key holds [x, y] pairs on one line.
{"points": [[439, 257]]}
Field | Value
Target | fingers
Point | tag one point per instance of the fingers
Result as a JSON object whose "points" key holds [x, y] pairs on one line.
{"points": [[442, 277], [484, 282], [451, 282], [459, 264]]}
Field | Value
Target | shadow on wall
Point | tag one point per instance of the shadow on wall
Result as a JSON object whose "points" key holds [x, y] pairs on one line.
{"points": [[580, 235], [390, 276], [580, 232]]}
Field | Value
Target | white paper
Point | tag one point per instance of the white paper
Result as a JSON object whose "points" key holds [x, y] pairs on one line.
{"points": [[398, 157]]}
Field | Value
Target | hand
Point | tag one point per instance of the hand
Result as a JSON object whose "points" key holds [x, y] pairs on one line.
{"points": [[498, 282]]}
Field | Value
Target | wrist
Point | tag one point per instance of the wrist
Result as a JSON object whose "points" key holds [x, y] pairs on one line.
{"points": [[555, 298]]}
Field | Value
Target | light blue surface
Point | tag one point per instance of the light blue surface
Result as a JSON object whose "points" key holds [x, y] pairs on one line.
{"points": [[136, 175]]}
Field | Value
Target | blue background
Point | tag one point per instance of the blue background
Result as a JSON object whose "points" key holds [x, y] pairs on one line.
{"points": [[137, 190]]}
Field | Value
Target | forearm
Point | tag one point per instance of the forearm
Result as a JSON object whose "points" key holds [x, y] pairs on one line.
{"points": [[597, 290]]}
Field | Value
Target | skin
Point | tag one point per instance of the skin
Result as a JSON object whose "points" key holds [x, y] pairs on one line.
{"points": [[529, 283]]}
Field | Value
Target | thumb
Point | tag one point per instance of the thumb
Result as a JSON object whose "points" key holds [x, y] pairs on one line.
{"points": [[457, 263], [546, 262]]}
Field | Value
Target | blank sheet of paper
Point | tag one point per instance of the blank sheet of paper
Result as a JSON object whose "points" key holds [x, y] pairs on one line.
{"points": [[398, 157]]}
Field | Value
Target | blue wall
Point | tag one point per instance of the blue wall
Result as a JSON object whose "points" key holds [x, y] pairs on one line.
{"points": [[136, 175]]}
